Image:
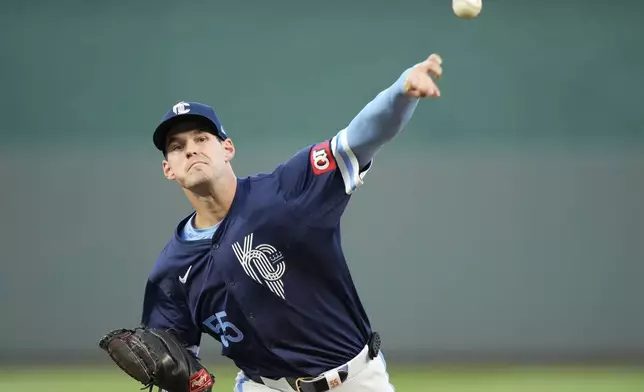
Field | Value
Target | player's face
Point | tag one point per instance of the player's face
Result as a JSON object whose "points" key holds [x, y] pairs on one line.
{"points": [[196, 158]]}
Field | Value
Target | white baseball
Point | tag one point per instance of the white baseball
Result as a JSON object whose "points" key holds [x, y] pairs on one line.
{"points": [[467, 9]]}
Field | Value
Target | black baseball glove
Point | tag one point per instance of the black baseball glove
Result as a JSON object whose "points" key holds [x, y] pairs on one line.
{"points": [[156, 358]]}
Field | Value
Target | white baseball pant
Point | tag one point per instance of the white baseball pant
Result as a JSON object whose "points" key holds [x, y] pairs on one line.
{"points": [[367, 375]]}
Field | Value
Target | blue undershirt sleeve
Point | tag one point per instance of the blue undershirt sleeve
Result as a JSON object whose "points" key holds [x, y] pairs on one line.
{"points": [[377, 123]]}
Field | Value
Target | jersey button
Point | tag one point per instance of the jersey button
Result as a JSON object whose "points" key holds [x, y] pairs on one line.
{"points": [[215, 246], [251, 316], [232, 283]]}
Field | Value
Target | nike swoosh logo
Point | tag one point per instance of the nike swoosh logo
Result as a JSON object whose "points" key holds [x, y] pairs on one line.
{"points": [[184, 278]]}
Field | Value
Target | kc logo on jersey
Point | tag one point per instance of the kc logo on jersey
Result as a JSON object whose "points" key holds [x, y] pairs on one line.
{"points": [[321, 159], [264, 264]]}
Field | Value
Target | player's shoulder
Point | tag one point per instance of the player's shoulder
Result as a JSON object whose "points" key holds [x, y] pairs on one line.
{"points": [[300, 155], [272, 180], [258, 182], [259, 191], [313, 155], [164, 265], [170, 260], [294, 174], [311, 159]]}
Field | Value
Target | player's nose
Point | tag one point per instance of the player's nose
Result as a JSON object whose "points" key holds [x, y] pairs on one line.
{"points": [[191, 150]]}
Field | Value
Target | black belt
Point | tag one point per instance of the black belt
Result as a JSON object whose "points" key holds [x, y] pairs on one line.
{"points": [[313, 384]]}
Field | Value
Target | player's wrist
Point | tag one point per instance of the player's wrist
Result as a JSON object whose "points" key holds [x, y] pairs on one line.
{"points": [[400, 89]]}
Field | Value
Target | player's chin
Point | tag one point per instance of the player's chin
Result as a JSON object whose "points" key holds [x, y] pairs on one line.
{"points": [[195, 181]]}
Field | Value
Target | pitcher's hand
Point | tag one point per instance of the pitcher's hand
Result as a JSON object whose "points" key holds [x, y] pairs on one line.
{"points": [[419, 82]]}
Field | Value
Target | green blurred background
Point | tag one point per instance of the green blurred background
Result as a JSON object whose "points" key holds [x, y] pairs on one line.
{"points": [[497, 242]]}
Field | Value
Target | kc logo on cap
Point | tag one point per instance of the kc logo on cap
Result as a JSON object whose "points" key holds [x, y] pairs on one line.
{"points": [[181, 108]]}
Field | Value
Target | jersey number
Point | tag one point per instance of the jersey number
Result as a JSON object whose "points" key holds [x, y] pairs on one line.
{"points": [[223, 329]]}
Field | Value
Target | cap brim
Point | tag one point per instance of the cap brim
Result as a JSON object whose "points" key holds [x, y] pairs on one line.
{"points": [[161, 133]]}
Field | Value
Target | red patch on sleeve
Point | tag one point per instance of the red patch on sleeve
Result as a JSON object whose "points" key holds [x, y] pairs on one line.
{"points": [[200, 381], [322, 160]]}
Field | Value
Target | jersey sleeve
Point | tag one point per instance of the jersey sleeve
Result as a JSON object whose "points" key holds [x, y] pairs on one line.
{"points": [[348, 164], [161, 311], [319, 179]]}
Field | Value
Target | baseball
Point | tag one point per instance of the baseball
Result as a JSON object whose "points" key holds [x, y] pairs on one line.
{"points": [[467, 9]]}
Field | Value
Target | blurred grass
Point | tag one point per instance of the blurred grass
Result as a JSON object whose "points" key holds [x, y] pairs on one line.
{"points": [[405, 379]]}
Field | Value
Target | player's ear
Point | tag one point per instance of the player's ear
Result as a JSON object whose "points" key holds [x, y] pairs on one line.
{"points": [[229, 150], [167, 171]]}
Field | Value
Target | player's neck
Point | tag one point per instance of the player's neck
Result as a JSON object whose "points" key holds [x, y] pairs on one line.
{"points": [[212, 207]]}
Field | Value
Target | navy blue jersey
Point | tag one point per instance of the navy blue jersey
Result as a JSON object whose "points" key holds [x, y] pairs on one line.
{"points": [[272, 285]]}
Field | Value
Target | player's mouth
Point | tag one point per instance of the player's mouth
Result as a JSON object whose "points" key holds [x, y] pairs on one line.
{"points": [[194, 163]]}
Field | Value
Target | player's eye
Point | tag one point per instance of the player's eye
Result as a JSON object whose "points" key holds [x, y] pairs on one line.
{"points": [[175, 147], [202, 138]]}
